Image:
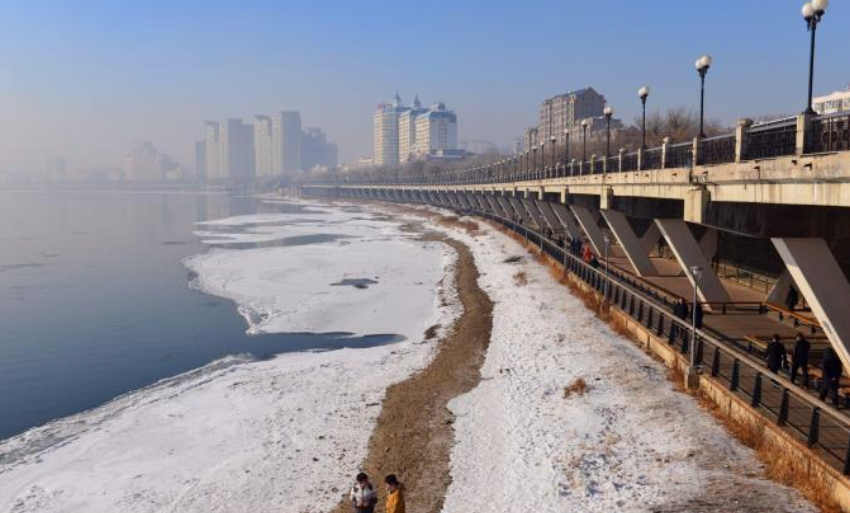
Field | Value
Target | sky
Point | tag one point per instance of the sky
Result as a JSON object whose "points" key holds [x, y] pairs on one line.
{"points": [[84, 79]]}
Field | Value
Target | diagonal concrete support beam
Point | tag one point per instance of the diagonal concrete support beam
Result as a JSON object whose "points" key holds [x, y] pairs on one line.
{"points": [[588, 224], [567, 220], [549, 216], [688, 253], [650, 238], [630, 243], [779, 293], [822, 282]]}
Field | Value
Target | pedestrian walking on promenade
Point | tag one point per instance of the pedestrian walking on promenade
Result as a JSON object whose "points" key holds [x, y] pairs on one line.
{"points": [[698, 314], [831, 369], [775, 355], [395, 494], [363, 497], [800, 359], [680, 310]]}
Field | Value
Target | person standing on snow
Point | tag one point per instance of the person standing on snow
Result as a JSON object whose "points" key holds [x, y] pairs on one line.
{"points": [[395, 494], [363, 496]]}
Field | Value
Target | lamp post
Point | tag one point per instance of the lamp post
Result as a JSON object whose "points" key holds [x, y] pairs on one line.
{"points": [[692, 376], [607, 240], [643, 93], [553, 140], [542, 169], [608, 112], [566, 146], [813, 12], [584, 140], [533, 160], [702, 64]]}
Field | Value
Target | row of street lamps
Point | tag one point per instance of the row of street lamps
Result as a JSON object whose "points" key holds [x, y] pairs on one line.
{"points": [[813, 12]]}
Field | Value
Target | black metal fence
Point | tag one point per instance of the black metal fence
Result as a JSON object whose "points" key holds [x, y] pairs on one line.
{"points": [[773, 139], [679, 155], [829, 133], [719, 149]]}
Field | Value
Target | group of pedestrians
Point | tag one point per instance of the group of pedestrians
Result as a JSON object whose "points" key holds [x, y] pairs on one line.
{"points": [[364, 497], [831, 368]]}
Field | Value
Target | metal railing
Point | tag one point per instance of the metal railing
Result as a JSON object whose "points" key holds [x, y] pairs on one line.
{"points": [[679, 155], [719, 149], [773, 139], [829, 132], [651, 159]]}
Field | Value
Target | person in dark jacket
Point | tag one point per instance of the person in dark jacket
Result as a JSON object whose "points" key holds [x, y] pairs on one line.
{"points": [[792, 298], [698, 313], [680, 310], [800, 359], [775, 355], [831, 368]]}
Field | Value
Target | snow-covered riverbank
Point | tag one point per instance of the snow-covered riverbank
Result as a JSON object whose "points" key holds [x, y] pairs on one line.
{"points": [[241, 435], [630, 443]]}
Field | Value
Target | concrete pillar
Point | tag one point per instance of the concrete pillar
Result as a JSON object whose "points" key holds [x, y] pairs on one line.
{"points": [[696, 204], [821, 281], [590, 228], [620, 154], [592, 163], [606, 197], [804, 121], [640, 158], [696, 151], [664, 145], [650, 238], [630, 243], [688, 253], [779, 292], [742, 136]]}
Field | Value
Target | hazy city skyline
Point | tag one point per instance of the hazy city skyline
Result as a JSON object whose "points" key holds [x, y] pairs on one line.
{"points": [[85, 80]]}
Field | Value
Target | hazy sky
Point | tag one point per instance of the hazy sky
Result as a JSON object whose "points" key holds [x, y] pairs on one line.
{"points": [[85, 78]]}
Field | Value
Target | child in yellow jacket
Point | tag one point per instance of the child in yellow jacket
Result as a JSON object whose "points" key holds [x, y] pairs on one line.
{"points": [[395, 494]]}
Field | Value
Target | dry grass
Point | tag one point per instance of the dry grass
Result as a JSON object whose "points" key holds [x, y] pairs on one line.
{"points": [[578, 388], [468, 225], [520, 279], [781, 463]]}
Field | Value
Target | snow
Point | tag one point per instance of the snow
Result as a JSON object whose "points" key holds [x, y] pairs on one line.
{"points": [[240, 435], [631, 443]]}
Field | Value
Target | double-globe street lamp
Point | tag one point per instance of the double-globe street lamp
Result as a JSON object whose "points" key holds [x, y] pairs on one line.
{"points": [[643, 93], [702, 64], [813, 12]]}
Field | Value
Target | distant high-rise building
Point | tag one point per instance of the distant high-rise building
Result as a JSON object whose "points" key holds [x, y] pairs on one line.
{"points": [[565, 112], [386, 132], [236, 150], [286, 142], [436, 131], [831, 103], [211, 139], [407, 130], [316, 151], [145, 163], [264, 146], [201, 159]]}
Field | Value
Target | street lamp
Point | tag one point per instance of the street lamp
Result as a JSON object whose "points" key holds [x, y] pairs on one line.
{"points": [[584, 140], [553, 140], [643, 93], [608, 112], [607, 240], [534, 159], [566, 146], [702, 64], [542, 160], [692, 377], [813, 12]]}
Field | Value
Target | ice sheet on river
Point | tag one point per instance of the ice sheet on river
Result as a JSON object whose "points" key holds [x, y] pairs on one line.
{"points": [[240, 435]]}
